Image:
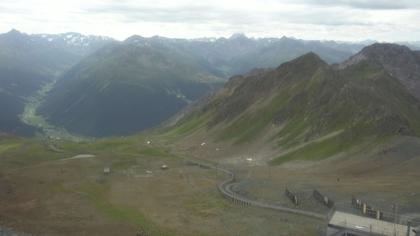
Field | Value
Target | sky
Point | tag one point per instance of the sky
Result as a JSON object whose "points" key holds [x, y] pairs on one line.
{"points": [[345, 20]]}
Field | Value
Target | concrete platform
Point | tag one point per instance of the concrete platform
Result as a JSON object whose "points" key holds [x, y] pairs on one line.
{"points": [[359, 225]]}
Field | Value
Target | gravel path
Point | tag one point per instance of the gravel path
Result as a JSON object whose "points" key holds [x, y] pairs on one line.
{"points": [[10, 232]]}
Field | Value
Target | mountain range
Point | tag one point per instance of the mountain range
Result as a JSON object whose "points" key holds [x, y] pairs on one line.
{"points": [[106, 87], [29, 61], [126, 87], [308, 109]]}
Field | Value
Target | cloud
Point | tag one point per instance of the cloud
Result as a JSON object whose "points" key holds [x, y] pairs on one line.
{"points": [[309, 19], [192, 14], [366, 4], [203, 14]]}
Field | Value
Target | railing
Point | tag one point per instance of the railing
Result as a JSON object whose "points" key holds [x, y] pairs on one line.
{"points": [[225, 188], [323, 199]]}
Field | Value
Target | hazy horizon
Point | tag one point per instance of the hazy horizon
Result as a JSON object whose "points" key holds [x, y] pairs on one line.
{"points": [[365, 41]]}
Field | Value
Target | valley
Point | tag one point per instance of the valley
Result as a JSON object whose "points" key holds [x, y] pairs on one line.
{"points": [[29, 115], [31, 118], [226, 136], [28, 62]]}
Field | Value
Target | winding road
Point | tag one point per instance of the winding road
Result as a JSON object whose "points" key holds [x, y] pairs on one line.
{"points": [[225, 188]]}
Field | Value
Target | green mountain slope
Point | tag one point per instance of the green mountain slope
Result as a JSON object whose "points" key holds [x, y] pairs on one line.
{"points": [[124, 88], [306, 109], [399, 61], [173, 66], [29, 61]]}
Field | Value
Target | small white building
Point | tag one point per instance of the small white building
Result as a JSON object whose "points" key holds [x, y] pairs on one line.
{"points": [[107, 170]]}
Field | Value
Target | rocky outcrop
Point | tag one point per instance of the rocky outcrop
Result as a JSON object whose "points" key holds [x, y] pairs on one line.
{"points": [[399, 61]]}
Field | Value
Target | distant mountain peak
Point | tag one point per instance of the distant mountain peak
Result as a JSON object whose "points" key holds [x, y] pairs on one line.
{"points": [[311, 56], [236, 36], [378, 52], [16, 36], [14, 31], [286, 38], [134, 37], [398, 61], [308, 59], [385, 49], [385, 54]]}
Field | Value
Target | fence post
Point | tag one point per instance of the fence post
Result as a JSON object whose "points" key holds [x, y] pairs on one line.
{"points": [[364, 210], [408, 228]]}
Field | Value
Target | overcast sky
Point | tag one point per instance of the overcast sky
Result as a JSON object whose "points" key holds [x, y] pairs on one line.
{"points": [[350, 20]]}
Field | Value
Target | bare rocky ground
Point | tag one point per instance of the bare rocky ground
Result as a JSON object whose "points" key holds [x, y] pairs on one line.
{"points": [[55, 195], [75, 197], [11, 232], [384, 175]]}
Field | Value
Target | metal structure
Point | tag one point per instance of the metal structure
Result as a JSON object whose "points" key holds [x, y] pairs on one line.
{"points": [[225, 188], [341, 223], [292, 197], [323, 199]]}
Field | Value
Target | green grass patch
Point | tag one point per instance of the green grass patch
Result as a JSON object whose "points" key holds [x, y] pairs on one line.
{"points": [[124, 164], [5, 147], [247, 128], [317, 150], [155, 152], [192, 123], [124, 148], [26, 153], [204, 205], [58, 188], [114, 212], [105, 146]]}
